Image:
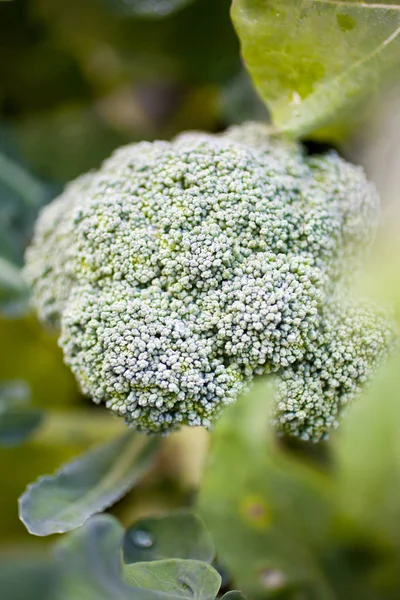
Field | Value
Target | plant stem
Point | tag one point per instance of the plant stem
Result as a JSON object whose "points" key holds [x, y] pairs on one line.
{"points": [[77, 427]]}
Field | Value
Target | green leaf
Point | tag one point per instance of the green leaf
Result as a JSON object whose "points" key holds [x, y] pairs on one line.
{"points": [[180, 534], [92, 570], [180, 579], [13, 290], [22, 183], [268, 514], [60, 502], [90, 562], [312, 60], [21, 195], [367, 451], [233, 595], [17, 421]]}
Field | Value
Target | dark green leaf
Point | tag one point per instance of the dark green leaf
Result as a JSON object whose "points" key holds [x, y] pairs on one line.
{"points": [[17, 424], [312, 59], [233, 595], [177, 535], [21, 195], [18, 180], [180, 579], [60, 502], [267, 514], [65, 142], [13, 290]]}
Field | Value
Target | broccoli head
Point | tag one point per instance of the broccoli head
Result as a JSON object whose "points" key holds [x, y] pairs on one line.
{"points": [[179, 271]]}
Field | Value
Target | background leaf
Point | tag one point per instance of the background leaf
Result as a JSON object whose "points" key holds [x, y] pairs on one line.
{"points": [[267, 513], [13, 393], [17, 424], [60, 502], [180, 534], [30, 578], [19, 181], [13, 290], [17, 421], [21, 195], [367, 452], [156, 9], [312, 59]]}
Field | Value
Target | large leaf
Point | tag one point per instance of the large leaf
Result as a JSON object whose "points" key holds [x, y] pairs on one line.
{"points": [[268, 515], [178, 579], [91, 565], [312, 59], [60, 502], [180, 534]]}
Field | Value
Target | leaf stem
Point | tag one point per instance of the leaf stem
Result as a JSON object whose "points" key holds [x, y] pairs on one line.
{"points": [[77, 427]]}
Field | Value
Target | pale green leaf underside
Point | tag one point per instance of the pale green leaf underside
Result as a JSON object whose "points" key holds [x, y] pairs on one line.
{"points": [[60, 502], [313, 59]]}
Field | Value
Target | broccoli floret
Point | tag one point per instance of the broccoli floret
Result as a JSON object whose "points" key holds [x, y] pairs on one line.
{"points": [[179, 271], [353, 341]]}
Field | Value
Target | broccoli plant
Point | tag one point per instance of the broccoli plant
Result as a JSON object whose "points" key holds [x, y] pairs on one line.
{"points": [[180, 271], [206, 287]]}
